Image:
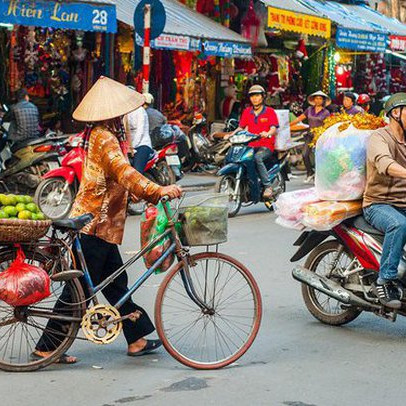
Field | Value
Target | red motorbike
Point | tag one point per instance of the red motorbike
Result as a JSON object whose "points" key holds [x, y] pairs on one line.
{"points": [[338, 273], [56, 193]]}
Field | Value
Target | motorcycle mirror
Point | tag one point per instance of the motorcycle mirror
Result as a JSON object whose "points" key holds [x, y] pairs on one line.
{"points": [[5, 108]]}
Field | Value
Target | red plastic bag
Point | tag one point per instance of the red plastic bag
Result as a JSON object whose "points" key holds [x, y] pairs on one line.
{"points": [[23, 284]]}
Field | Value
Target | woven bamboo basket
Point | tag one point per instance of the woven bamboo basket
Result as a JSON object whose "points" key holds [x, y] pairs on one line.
{"points": [[23, 230]]}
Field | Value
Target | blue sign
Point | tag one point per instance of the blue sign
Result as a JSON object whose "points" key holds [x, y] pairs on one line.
{"points": [[158, 18], [361, 40], [227, 49], [57, 14], [174, 42]]}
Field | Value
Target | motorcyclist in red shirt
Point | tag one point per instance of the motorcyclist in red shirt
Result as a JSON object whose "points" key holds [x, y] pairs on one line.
{"points": [[263, 121]]}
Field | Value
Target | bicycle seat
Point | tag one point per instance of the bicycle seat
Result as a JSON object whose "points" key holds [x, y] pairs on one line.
{"points": [[75, 223]]}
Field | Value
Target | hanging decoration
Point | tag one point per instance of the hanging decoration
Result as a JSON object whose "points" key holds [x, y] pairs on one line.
{"points": [[250, 24], [378, 66], [216, 11], [226, 14]]}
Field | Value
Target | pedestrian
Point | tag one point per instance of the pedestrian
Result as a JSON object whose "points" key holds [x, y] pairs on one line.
{"points": [[136, 126], [155, 117], [107, 179], [315, 115], [24, 118], [364, 101], [349, 104]]}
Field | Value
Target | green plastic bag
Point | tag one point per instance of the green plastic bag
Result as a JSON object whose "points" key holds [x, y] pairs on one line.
{"points": [[153, 224]]}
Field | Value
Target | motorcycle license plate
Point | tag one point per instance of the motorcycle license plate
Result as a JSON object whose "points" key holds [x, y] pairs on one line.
{"points": [[53, 165], [172, 160]]}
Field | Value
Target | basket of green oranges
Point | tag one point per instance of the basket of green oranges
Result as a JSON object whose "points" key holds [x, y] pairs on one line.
{"points": [[20, 219]]}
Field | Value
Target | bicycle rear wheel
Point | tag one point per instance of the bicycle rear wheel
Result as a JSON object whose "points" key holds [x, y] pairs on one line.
{"points": [[222, 332], [21, 328]]}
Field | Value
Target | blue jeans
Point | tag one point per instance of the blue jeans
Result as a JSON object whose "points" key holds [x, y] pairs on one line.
{"points": [[392, 222], [262, 154], [141, 158]]}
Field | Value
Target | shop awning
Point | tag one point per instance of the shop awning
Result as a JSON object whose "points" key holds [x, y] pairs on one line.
{"points": [[189, 30], [90, 15], [394, 27], [293, 15]]}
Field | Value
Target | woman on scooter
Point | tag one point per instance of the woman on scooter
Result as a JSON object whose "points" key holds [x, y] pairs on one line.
{"points": [[107, 180], [315, 115]]}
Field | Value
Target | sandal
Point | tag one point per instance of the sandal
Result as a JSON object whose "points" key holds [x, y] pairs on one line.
{"points": [[151, 346], [64, 359]]}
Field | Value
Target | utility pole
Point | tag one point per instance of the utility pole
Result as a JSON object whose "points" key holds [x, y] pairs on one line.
{"points": [[395, 5]]}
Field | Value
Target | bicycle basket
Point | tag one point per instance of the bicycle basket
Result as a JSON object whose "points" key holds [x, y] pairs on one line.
{"points": [[204, 220], [22, 230]]}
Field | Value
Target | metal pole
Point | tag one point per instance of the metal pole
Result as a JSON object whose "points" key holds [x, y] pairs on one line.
{"points": [[146, 48]]}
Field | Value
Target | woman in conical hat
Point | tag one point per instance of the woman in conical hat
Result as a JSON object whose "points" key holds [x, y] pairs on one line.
{"points": [[315, 115], [106, 181]]}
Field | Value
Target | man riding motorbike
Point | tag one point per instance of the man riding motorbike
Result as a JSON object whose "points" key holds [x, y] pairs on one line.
{"points": [[385, 195], [155, 118], [263, 121]]}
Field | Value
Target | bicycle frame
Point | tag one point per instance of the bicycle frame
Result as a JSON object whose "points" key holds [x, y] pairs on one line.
{"points": [[175, 247]]}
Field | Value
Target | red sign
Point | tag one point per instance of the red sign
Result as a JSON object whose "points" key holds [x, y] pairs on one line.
{"points": [[397, 43]]}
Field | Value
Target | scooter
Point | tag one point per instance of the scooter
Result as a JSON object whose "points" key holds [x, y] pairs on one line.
{"points": [[22, 164], [239, 177], [338, 273], [57, 191]]}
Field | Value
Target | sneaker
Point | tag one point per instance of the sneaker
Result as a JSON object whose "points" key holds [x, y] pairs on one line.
{"points": [[268, 193], [309, 179], [387, 294]]}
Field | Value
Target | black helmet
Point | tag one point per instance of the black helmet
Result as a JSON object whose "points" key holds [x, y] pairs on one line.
{"points": [[397, 100]]}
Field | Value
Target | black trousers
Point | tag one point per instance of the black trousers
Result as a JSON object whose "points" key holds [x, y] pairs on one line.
{"points": [[102, 259], [308, 155]]}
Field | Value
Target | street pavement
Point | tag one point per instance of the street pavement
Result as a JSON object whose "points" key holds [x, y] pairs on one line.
{"points": [[295, 360]]}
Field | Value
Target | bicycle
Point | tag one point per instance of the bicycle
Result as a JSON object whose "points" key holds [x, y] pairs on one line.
{"points": [[207, 312]]}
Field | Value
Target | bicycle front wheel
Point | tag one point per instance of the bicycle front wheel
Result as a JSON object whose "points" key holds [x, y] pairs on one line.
{"points": [[218, 333]]}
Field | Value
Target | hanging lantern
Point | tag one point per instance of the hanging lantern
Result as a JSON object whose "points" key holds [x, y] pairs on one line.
{"points": [[250, 25]]}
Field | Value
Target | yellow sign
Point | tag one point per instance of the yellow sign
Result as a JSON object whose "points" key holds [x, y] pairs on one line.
{"points": [[302, 23]]}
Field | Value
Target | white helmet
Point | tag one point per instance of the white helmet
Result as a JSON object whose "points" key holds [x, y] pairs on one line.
{"points": [[149, 99]]}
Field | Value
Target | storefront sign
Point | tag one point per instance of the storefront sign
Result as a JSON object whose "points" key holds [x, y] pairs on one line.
{"points": [[57, 14], [227, 49], [304, 24], [361, 40], [397, 43], [175, 42]]}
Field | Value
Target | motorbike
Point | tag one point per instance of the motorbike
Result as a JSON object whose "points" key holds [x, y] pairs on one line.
{"points": [[22, 164], [57, 191], [338, 273], [239, 177]]}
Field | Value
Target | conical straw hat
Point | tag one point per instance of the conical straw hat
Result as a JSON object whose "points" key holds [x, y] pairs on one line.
{"points": [[107, 99]]}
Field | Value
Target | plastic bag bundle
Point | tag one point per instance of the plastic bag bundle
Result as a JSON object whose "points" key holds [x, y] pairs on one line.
{"points": [[153, 224], [289, 207], [22, 284], [323, 216], [341, 163]]}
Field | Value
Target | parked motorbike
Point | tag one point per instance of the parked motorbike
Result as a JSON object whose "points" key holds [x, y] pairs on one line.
{"points": [[239, 177], [57, 191], [219, 144], [338, 273], [22, 164]]}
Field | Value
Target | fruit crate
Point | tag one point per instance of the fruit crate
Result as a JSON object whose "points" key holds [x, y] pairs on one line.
{"points": [[16, 230], [204, 220]]}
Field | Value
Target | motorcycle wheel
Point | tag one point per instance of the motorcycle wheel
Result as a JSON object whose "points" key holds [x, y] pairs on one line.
{"points": [[51, 198], [165, 175], [279, 185], [324, 308], [226, 184]]}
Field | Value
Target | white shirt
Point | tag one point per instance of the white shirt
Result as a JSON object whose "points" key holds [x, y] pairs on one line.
{"points": [[138, 127]]}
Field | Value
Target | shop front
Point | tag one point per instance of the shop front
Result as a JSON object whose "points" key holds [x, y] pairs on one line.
{"points": [[188, 60], [55, 50]]}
